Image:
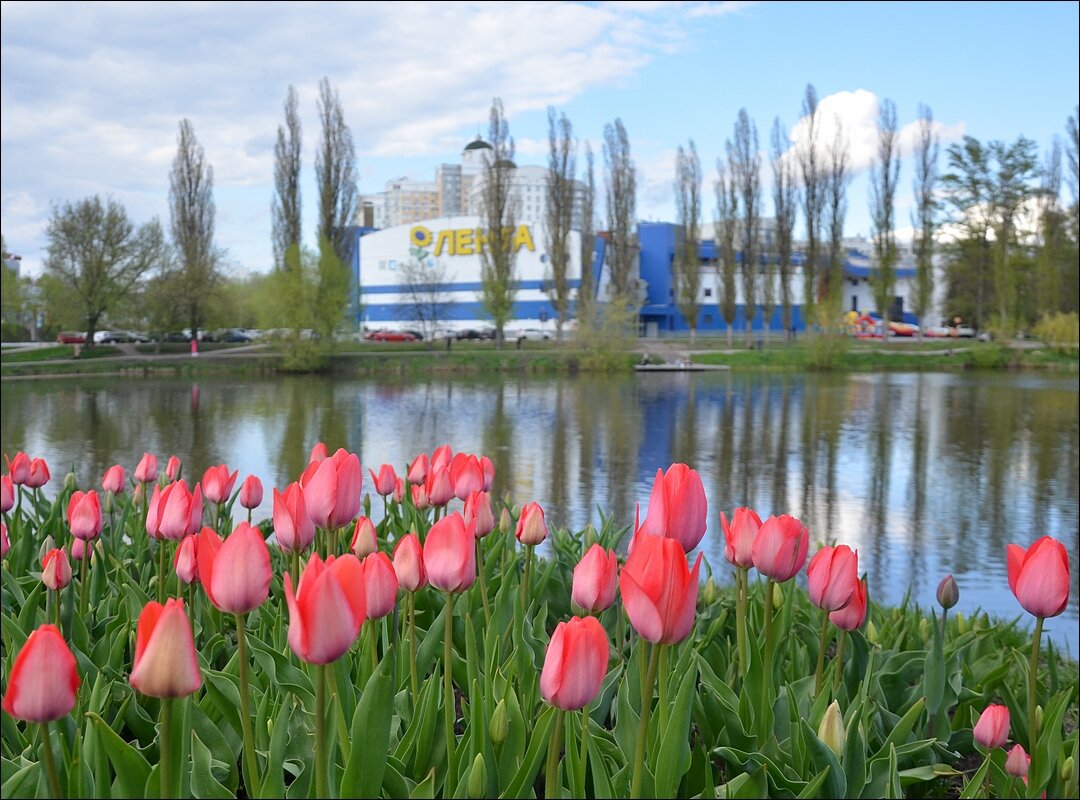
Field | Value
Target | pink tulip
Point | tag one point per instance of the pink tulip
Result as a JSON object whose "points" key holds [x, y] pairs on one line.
{"points": [[992, 729], [441, 458], [488, 468], [5, 544], [659, 592], [84, 515], [44, 680], [166, 664], [318, 453], [7, 494], [409, 563], [419, 497], [575, 664], [251, 492], [466, 475], [81, 550], [327, 609], [852, 616], [235, 573], [595, 579], [115, 479], [55, 569], [385, 480], [833, 574], [172, 468], [174, 512], [418, 470], [332, 489], [185, 562], [779, 549], [1039, 576], [365, 540], [440, 490], [218, 484], [39, 474], [478, 512], [531, 528], [739, 536], [399, 490], [677, 507], [146, 472], [450, 554], [18, 468], [380, 584], [293, 528]]}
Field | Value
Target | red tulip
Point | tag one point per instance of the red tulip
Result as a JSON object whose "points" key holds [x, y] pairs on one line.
{"points": [[466, 475], [172, 468], [739, 536], [385, 480], [81, 550], [531, 528], [7, 494], [450, 554], [595, 579], [251, 492], [18, 468], [55, 569], [779, 549], [1039, 576], [174, 512], [677, 507], [39, 474], [293, 528], [575, 664], [441, 458], [418, 470], [218, 484], [409, 563], [992, 729], [166, 664], [146, 471], [380, 585], [5, 545], [419, 496], [235, 573], [332, 489], [659, 592], [84, 515], [1018, 762], [115, 479], [833, 574], [488, 468], [440, 490], [185, 562], [327, 609], [852, 616], [478, 512], [43, 682], [399, 490], [318, 453], [365, 540]]}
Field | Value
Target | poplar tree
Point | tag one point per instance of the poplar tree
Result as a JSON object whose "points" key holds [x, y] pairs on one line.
{"points": [[687, 271]]}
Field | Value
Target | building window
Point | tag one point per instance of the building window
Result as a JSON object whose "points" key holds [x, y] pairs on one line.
{"points": [[708, 292]]}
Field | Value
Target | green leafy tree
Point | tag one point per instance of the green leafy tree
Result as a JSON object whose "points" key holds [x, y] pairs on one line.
{"points": [[687, 266], [726, 226], [559, 214], [499, 213], [745, 160], [924, 218], [785, 209]]}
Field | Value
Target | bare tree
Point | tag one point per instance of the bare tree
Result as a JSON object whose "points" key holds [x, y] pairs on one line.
{"points": [[426, 295], [191, 204], [813, 200], [288, 231], [97, 253], [1072, 152], [785, 208], [335, 176], [884, 177], [746, 172], [924, 219], [726, 226], [621, 177], [586, 297], [498, 257], [837, 178], [687, 267], [562, 166]]}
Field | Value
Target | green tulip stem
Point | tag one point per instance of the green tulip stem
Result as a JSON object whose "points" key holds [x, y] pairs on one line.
{"points": [[412, 647], [525, 580], [161, 571], [742, 579], [165, 778], [1033, 684], [294, 563], [50, 762], [249, 516], [823, 641], [551, 776], [251, 768], [373, 644], [483, 580], [448, 696], [320, 731], [839, 661], [643, 722], [662, 678], [83, 580], [944, 616], [766, 675], [584, 746]]}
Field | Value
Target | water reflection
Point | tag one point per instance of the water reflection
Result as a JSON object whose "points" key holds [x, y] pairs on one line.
{"points": [[925, 474]]}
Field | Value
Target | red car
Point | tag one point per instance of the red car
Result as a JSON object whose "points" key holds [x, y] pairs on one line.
{"points": [[71, 337], [393, 336]]}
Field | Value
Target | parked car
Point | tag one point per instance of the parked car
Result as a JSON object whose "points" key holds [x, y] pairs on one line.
{"points": [[111, 337], [939, 331], [71, 337], [135, 336], [393, 336], [529, 335], [233, 335], [965, 331]]}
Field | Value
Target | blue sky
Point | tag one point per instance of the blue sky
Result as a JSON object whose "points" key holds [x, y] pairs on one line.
{"points": [[92, 93]]}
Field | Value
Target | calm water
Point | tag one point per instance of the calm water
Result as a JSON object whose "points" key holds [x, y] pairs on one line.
{"points": [[925, 474]]}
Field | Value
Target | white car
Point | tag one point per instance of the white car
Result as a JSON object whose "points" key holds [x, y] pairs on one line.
{"points": [[530, 335]]}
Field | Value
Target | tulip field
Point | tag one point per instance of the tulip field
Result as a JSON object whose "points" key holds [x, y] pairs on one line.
{"points": [[465, 646]]}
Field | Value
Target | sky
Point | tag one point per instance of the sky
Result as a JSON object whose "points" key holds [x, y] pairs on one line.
{"points": [[93, 93]]}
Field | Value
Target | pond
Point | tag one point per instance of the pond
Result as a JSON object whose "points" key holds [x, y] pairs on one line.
{"points": [[925, 474]]}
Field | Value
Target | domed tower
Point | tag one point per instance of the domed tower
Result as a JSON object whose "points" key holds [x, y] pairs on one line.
{"points": [[472, 157]]}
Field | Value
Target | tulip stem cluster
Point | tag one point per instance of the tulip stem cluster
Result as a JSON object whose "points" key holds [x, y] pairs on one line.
{"points": [[321, 764], [823, 643], [643, 722], [448, 695], [165, 755], [1033, 683], [251, 776], [483, 580], [50, 762], [742, 580], [839, 661], [766, 675], [551, 776]]}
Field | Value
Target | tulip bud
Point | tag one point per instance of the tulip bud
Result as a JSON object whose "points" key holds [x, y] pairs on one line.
{"points": [[1038, 717], [961, 623], [948, 593], [1067, 769], [55, 570], [364, 541], [710, 592], [777, 596], [872, 633], [831, 730], [589, 536], [924, 628], [1016, 764], [107, 505], [504, 520], [992, 728], [477, 785], [499, 727], [70, 484], [367, 504]]}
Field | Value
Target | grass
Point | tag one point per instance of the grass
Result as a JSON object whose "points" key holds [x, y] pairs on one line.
{"points": [[59, 352]]}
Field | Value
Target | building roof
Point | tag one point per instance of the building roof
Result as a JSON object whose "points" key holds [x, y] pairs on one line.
{"points": [[477, 144]]}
